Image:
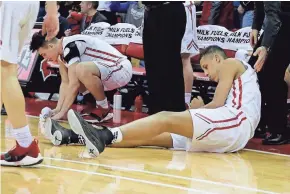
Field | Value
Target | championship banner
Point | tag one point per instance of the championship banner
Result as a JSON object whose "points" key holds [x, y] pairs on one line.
{"points": [[208, 35], [121, 33], [97, 30], [240, 39], [137, 36], [26, 60]]}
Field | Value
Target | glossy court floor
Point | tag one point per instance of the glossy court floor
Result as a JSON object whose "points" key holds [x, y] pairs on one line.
{"points": [[67, 169]]}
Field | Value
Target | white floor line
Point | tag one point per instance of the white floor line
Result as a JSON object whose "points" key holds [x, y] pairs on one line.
{"points": [[165, 175], [127, 178], [265, 152]]}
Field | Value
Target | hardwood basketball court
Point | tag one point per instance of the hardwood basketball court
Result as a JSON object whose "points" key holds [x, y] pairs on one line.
{"points": [[68, 169]]}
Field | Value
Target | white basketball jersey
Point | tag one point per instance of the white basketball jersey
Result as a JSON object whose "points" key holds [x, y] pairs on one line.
{"points": [[245, 96], [80, 48]]}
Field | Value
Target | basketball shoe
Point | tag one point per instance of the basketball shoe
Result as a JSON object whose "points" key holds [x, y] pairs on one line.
{"points": [[96, 137], [20, 156], [99, 115], [60, 135]]}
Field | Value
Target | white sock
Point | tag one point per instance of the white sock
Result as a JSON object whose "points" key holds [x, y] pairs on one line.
{"points": [[103, 103], [187, 98], [23, 136], [86, 92], [118, 136]]}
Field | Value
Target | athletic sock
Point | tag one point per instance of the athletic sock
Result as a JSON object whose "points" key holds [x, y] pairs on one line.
{"points": [[187, 98], [23, 136], [86, 92], [103, 103], [117, 135]]}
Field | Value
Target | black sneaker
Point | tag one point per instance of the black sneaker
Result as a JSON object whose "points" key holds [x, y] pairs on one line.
{"points": [[96, 137], [64, 136], [3, 111]]}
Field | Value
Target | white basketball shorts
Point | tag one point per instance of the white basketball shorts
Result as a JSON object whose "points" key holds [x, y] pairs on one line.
{"points": [[115, 76], [17, 21], [216, 130], [189, 40]]}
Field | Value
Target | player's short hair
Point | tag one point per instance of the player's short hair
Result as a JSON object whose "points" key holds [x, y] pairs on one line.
{"points": [[94, 3], [38, 40], [212, 50]]}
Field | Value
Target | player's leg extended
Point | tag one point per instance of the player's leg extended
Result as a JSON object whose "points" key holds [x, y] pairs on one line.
{"points": [[163, 140], [143, 129], [188, 76]]}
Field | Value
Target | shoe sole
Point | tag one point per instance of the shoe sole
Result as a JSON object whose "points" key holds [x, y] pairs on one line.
{"points": [[46, 130], [78, 129], [25, 162], [56, 138], [281, 143], [108, 117]]}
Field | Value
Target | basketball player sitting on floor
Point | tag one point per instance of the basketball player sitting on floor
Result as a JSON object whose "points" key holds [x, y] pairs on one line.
{"points": [[226, 124], [88, 62]]}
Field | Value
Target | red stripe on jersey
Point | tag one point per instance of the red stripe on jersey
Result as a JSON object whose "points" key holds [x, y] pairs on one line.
{"points": [[98, 57], [112, 72], [103, 52], [220, 128], [234, 94], [241, 92], [221, 121]]}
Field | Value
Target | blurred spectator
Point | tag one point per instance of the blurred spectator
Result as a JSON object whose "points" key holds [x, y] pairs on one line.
{"points": [[134, 9], [218, 13], [41, 12], [63, 23], [104, 8], [89, 14], [237, 16], [74, 20], [246, 10]]}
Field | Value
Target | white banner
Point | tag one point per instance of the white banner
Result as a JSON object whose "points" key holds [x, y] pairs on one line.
{"points": [[137, 36], [121, 33], [97, 29], [207, 35]]}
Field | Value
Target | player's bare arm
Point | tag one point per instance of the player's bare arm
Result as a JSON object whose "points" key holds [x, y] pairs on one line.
{"points": [[71, 92], [51, 23], [229, 71], [63, 86]]}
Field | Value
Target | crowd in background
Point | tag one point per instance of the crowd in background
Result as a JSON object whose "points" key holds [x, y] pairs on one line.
{"points": [[76, 16]]}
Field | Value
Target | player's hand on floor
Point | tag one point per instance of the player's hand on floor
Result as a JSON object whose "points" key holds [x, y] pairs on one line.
{"points": [[197, 103], [55, 111], [60, 115]]}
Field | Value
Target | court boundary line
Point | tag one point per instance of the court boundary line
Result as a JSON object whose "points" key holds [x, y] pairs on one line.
{"points": [[126, 178], [247, 149], [265, 152], [165, 175]]}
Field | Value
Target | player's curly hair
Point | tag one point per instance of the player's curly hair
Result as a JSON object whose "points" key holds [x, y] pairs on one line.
{"points": [[38, 40]]}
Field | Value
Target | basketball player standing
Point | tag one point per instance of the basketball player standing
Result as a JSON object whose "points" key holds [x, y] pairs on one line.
{"points": [[17, 21]]}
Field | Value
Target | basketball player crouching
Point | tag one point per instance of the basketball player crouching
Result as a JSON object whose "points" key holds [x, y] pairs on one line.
{"points": [[226, 124], [84, 61]]}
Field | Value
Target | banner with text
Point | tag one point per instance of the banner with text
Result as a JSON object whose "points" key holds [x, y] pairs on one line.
{"points": [[97, 30], [123, 33]]}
